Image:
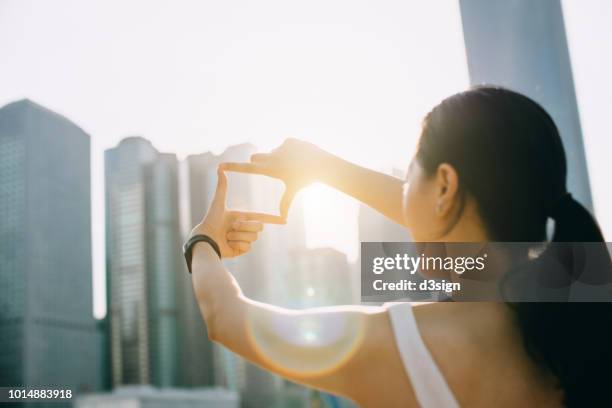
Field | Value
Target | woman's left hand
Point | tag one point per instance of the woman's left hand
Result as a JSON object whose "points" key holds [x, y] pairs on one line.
{"points": [[233, 231]]}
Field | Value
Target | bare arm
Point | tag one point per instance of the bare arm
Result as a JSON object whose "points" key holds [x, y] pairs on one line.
{"points": [[379, 191], [347, 350], [299, 163]]}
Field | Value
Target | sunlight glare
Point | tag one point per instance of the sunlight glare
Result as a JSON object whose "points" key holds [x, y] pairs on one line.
{"points": [[330, 217], [309, 344]]}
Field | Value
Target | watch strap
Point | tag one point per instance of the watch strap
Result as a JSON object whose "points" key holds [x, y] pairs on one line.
{"points": [[188, 247]]}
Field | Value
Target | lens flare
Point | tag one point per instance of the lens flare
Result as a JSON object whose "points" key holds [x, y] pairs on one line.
{"points": [[305, 343]]}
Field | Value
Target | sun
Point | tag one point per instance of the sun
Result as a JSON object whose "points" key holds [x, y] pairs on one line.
{"points": [[330, 219]]}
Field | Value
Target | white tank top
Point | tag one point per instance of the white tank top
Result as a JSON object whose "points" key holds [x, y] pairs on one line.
{"points": [[429, 385]]}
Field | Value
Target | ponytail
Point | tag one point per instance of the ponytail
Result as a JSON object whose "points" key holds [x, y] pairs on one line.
{"points": [[484, 133], [573, 223], [573, 340]]}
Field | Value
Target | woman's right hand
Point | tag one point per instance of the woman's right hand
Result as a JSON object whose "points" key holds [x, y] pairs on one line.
{"points": [[296, 163]]}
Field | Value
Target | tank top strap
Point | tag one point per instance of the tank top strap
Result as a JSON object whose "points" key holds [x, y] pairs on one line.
{"points": [[430, 387]]}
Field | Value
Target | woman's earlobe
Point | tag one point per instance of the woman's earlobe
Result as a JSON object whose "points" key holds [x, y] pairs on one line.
{"points": [[439, 207]]}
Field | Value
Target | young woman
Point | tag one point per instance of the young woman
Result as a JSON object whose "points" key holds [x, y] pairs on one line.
{"points": [[490, 166]]}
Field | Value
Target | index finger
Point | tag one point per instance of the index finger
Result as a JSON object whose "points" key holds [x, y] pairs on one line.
{"points": [[262, 217], [252, 168], [251, 226]]}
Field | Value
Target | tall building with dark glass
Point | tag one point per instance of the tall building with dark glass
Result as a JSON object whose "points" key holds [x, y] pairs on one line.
{"points": [[48, 335], [143, 263], [271, 261]]}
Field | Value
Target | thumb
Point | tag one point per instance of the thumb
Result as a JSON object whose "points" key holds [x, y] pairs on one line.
{"points": [[286, 200], [221, 191]]}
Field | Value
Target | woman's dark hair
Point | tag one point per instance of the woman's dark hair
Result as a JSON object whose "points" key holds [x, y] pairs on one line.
{"points": [[509, 157]]}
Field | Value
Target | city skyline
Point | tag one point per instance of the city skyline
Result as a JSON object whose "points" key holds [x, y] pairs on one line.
{"points": [[218, 75], [153, 330], [201, 76], [115, 116], [196, 208]]}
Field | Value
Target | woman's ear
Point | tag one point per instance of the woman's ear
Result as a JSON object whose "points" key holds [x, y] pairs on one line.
{"points": [[447, 187]]}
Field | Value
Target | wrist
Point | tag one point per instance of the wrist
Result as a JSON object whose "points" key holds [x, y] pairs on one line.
{"points": [[310, 156], [190, 247], [204, 247], [325, 165], [204, 229]]}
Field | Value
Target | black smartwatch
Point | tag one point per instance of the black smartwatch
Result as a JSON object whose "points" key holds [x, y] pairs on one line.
{"points": [[188, 247]]}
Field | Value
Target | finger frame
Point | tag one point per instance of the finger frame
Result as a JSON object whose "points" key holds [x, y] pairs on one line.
{"points": [[261, 217], [250, 226], [249, 168], [260, 157]]}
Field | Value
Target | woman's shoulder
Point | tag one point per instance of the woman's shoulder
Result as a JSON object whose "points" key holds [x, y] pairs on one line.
{"points": [[470, 317], [463, 337], [469, 326], [479, 350]]}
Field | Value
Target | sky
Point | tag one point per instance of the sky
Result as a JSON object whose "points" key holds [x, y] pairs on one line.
{"points": [[589, 33], [354, 77]]}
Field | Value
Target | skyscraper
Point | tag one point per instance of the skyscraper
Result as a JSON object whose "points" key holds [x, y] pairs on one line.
{"points": [[143, 262], [48, 335], [522, 45], [213, 364], [195, 349], [259, 272]]}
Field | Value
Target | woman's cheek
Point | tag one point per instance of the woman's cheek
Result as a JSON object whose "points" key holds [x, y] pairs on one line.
{"points": [[411, 210], [417, 213]]}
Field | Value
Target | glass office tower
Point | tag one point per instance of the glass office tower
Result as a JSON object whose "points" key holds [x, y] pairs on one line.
{"points": [[271, 261], [522, 45], [48, 335], [143, 262]]}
